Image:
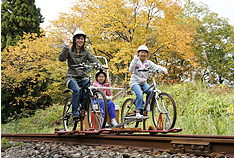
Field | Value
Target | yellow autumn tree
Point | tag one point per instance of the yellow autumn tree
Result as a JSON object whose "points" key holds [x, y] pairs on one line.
{"points": [[30, 75], [116, 28]]}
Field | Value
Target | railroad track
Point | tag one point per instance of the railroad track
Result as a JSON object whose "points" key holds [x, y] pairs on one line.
{"points": [[200, 145]]}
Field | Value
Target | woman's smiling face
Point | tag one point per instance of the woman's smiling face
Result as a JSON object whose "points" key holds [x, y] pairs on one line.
{"points": [[142, 55], [79, 41]]}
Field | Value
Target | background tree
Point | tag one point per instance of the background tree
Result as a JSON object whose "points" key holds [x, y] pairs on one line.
{"points": [[31, 77], [116, 28], [17, 17], [215, 38], [186, 41]]}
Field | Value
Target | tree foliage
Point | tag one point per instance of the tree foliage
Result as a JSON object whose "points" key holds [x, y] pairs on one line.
{"points": [[186, 41], [31, 75], [215, 38], [17, 17], [116, 28]]}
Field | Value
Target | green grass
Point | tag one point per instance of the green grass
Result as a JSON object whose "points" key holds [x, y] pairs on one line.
{"points": [[5, 144], [44, 121], [201, 110]]}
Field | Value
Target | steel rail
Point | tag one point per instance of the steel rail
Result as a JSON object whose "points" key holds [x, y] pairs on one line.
{"points": [[203, 145]]}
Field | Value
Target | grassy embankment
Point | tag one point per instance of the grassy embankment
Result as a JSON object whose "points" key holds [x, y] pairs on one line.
{"points": [[201, 110]]}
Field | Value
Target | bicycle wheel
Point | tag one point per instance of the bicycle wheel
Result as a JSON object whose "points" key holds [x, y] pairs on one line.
{"points": [[68, 123], [100, 108], [128, 110], [165, 105], [89, 110]]}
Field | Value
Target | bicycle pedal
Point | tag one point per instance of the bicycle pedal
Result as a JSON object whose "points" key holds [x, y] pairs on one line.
{"points": [[75, 119], [140, 118], [131, 117]]}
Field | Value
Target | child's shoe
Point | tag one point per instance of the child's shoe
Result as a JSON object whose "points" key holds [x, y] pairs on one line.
{"points": [[138, 115], [107, 125], [148, 108], [114, 123]]}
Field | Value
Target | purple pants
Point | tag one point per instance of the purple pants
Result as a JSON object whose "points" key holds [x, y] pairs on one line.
{"points": [[111, 107]]}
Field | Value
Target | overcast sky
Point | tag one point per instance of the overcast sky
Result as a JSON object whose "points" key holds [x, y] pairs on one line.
{"points": [[51, 8], [223, 7]]}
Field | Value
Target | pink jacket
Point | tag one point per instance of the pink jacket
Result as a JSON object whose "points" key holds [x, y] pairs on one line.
{"points": [[108, 92]]}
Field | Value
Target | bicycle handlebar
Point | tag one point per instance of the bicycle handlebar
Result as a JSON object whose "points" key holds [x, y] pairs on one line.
{"points": [[152, 71], [84, 66]]}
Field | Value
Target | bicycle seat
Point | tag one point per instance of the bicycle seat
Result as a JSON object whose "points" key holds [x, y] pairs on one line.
{"points": [[67, 90], [130, 91], [86, 85]]}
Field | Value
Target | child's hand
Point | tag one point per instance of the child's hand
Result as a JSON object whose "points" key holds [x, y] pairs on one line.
{"points": [[136, 55], [108, 83], [165, 72]]}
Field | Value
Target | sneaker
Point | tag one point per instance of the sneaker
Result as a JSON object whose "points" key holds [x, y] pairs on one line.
{"points": [[138, 115], [107, 125], [148, 108], [114, 123], [76, 117]]}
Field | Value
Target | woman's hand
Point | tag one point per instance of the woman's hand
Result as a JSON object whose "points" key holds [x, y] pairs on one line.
{"points": [[66, 41]]}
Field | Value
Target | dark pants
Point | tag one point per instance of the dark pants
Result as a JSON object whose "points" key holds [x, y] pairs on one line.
{"points": [[76, 94]]}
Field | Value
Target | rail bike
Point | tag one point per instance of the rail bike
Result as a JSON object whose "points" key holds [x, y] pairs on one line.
{"points": [[94, 119]]}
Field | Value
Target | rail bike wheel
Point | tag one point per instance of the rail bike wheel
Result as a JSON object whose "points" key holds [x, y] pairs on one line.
{"points": [[128, 111], [100, 108], [68, 123], [164, 112]]}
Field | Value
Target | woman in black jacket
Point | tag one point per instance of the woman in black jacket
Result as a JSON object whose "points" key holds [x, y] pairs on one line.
{"points": [[76, 78]]}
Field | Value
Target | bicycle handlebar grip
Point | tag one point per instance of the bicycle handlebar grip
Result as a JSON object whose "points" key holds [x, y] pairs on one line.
{"points": [[143, 69], [161, 71], [95, 65]]}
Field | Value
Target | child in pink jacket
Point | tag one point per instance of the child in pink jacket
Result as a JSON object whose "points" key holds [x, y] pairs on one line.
{"points": [[101, 82]]}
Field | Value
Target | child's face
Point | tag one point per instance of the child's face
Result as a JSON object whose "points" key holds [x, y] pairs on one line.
{"points": [[101, 78], [142, 55]]}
